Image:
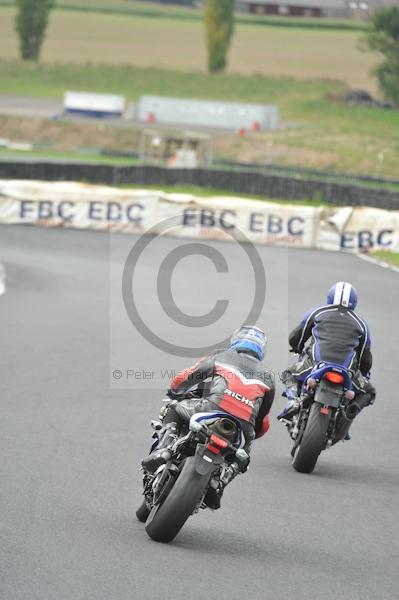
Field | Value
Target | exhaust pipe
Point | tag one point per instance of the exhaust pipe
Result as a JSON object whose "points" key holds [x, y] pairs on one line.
{"points": [[225, 428], [346, 421]]}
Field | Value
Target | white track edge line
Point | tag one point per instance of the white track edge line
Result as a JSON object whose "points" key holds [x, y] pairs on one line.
{"points": [[380, 263], [2, 279]]}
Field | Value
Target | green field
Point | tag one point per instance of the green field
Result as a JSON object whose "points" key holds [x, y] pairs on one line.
{"points": [[75, 36], [155, 10], [303, 70]]}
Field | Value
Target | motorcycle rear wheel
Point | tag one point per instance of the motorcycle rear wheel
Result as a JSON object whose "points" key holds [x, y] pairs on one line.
{"points": [[167, 519], [312, 442]]}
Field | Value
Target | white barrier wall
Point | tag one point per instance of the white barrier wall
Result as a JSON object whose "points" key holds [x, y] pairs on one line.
{"points": [[81, 206], [204, 113]]}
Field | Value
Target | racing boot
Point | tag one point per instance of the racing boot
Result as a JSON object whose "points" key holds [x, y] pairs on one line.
{"points": [[292, 406], [216, 488], [162, 453], [361, 401], [214, 494]]}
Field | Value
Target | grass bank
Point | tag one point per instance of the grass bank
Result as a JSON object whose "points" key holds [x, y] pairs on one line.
{"points": [[318, 132]]}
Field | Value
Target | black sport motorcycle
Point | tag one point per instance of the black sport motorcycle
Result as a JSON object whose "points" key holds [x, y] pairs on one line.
{"points": [[324, 410], [193, 475]]}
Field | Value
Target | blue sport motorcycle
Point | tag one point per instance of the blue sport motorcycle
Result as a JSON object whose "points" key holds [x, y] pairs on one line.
{"points": [[324, 410]]}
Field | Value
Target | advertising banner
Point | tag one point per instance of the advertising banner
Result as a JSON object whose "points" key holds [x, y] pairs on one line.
{"points": [[82, 206]]}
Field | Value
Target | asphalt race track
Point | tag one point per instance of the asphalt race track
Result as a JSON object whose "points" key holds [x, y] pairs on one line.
{"points": [[72, 437]]}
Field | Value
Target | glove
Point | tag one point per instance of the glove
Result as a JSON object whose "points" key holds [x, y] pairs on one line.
{"points": [[264, 428], [164, 408], [173, 395], [179, 396]]}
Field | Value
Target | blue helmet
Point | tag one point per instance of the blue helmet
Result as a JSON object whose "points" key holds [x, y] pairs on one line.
{"points": [[250, 339], [343, 294]]}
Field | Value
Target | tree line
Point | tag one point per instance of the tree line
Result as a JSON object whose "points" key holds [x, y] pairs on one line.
{"points": [[382, 36]]}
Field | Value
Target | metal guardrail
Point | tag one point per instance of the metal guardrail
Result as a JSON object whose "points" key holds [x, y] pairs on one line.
{"points": [[244, 182], [304, 172], [288, 170]]}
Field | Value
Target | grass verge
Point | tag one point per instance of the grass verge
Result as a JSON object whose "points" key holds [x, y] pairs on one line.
{"points": [[212, 192], [71, 157], [392, 258]]}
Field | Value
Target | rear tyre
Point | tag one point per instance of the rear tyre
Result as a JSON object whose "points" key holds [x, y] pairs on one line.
{"points": [[142, 512], [313, 440], [166, 520]]}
